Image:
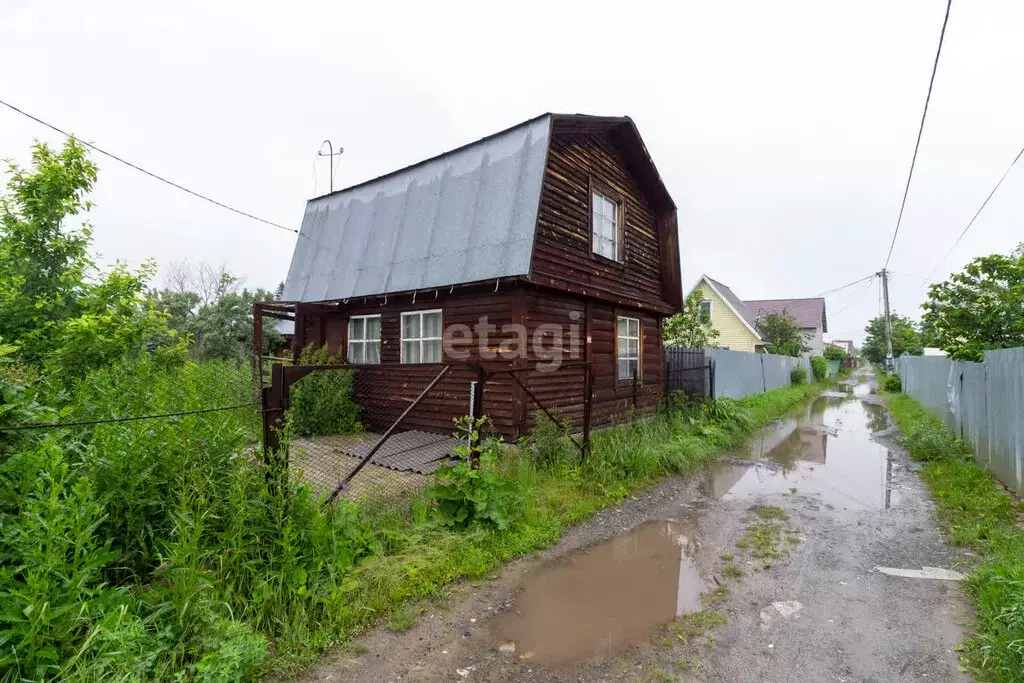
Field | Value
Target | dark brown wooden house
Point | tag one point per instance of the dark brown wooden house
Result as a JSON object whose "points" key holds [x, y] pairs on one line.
{"points": [[558, 232]]}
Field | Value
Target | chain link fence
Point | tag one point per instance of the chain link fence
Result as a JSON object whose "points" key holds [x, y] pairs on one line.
{"points": [[377, 432]]}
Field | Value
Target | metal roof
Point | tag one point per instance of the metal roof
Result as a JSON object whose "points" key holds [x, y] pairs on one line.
{"points": [[807, 313], [465, 216]]}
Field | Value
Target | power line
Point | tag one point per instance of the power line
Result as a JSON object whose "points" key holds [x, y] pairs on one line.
{"points": [[150, 173], [83, 423], [849, 300], [975, 217], [849, 284], [920, 131]]}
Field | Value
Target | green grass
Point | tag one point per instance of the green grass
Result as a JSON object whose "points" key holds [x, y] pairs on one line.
{"points": [[732, 571], [974, 511], [164, 550], [769, 512]]}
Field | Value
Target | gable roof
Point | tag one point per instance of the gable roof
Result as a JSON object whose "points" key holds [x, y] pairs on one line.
{"points": [[468, 215], [807, 313], [732, 301]]}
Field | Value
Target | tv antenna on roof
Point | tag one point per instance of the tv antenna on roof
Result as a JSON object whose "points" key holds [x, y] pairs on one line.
{"points": [[330, 157]]}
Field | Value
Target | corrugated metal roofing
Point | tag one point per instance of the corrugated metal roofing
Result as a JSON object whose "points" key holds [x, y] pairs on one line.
{"points": [[465, 216]]}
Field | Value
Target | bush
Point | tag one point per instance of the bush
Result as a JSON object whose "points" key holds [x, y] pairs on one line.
{"points": [[323, 402], [932, 441], [798, 375], [464, 495], [550, 443], [891, 384], [834, 353], [819, 366]]}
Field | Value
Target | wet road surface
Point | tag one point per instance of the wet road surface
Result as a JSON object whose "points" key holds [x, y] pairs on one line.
{"points": [[782, 540]]}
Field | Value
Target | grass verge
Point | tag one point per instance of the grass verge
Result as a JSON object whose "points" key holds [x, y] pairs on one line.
{"points": [[974, 511]]}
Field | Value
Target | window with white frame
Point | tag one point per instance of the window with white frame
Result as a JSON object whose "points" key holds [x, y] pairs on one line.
{"points": [[705, 311], [364, 339], [628, 348], [421, 337], [605, 225]]}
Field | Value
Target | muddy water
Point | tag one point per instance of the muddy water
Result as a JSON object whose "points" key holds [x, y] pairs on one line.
{"points": [[593, 602], [826, 452], [598, 600]]}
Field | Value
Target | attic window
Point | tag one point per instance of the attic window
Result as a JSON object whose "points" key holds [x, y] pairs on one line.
{"points": [[606, 215], [705, 311]]}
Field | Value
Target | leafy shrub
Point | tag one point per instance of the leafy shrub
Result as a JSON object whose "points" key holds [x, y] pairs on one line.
{"points": [[819, 366], [834, 353], [892, 384], [550, 443], [463, 495], [798, 375], [928, 440], [323, 402]]}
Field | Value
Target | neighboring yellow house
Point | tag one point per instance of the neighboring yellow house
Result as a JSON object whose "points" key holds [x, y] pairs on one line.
{"points": [[729, 316]]}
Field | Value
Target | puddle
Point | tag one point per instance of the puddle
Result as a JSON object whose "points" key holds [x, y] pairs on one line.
{"points": [[826, 452], [593, 602]]}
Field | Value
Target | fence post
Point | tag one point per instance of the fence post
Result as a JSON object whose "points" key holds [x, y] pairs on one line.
{"points": [[587, 405], [478, 412], [272, 400], [711, 376]]}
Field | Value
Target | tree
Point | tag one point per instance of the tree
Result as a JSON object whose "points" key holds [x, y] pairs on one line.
{"points": [[688, 328], [979, 308], [834, 353], [905, 338], [56, 305], [781, 334], [209, 307]]}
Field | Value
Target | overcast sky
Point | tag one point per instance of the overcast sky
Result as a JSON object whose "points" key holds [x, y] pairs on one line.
{"points": [[783, 130]]}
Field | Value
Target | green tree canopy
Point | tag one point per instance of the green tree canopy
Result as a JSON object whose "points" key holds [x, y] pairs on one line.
{"points": [[781, 334], [209, 307], [979, 308], [905, 338], [689, 328], [834, 353], [56, 305]]}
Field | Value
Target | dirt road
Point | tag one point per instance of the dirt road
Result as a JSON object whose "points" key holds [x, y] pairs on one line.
{"points": [[804, 557]]}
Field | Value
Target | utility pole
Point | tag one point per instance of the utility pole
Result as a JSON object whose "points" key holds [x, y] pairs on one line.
{"points": [[330, 157], [890, 362]]}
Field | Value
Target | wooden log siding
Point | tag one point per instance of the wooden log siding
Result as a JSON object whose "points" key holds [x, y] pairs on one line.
{"points": [[563, 254]]}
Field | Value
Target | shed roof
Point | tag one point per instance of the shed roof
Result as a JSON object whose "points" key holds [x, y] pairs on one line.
{"points": [[807, 313], [468, 215]]}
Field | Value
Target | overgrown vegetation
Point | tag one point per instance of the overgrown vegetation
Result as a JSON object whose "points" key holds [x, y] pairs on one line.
{"points": [[819, 368], [324, 402], [976, 512], [473, 493], [798, 375]]}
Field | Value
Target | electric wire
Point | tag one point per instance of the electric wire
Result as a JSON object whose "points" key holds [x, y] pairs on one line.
{"points": [[920, 131], [974, 217], [150, 173], [839, 289], [83, 423]]}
